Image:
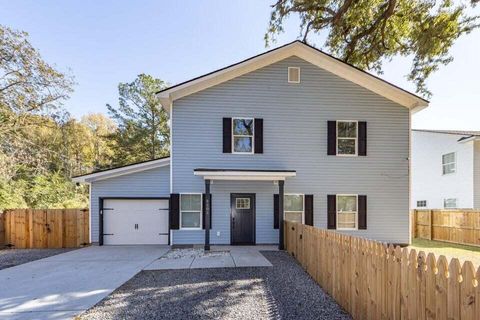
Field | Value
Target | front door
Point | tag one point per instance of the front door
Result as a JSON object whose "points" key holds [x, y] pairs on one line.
{"points": [[243, 218]]}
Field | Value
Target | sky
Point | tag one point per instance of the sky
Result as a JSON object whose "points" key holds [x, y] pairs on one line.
{"points": [[106, 42]]}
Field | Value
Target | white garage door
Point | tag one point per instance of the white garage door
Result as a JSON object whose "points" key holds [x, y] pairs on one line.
{"points": [[135, 221]]}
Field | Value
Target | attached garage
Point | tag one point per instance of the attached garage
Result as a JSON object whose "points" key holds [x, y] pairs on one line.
{"points": [[129, 205], [135, 221]]}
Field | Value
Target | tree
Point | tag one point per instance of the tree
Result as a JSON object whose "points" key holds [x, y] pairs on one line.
{"points": [[27, 83], [100, 129], [366, 33], [143, 132]]}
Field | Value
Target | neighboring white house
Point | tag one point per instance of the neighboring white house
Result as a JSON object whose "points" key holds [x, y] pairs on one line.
{"points": [[445, 169]]}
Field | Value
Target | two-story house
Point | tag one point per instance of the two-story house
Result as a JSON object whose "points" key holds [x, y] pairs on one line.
{"points": [[445, 169], [292, 134]]}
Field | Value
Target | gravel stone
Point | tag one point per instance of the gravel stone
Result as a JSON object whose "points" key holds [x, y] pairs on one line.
{"points": [[284, 291], [192, 253], [14, 257]]}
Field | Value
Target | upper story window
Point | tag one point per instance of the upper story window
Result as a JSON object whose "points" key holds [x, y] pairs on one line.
{"points": [[242, 135], [293, 75], [448, 163], [191, 211], [347, 212], [450, 203], [347, 133], [421, 203], [294, 208]]}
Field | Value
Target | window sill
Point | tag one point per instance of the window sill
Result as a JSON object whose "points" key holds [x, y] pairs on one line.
{"points": [[190, 229]]}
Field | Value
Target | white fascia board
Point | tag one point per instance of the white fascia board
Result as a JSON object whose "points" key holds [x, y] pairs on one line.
{"points": [[307, 53], [122, 171], [244, 175]]}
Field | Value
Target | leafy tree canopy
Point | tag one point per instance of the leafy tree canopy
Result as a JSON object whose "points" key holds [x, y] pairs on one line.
{"points": [[365, 33], [27, 83], [143, 125]]}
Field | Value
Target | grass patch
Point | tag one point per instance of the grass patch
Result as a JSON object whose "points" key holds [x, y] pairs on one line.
{"points": [[450, 250]]}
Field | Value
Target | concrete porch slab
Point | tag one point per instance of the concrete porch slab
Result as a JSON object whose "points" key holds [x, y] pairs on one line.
{"points": [[235, 256], [169, 264]]}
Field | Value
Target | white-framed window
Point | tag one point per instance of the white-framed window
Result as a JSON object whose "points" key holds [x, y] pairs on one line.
{"points": [[294, 208], [421, 203], [347, 212], [450, 203], [243, 130], [448, 163], [191, 211], [347, 138], [293, 75]]}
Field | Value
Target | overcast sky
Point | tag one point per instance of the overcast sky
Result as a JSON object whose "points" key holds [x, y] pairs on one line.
{"points": [[107, 42]]}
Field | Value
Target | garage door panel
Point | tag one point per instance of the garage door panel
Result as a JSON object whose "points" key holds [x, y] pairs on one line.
{"points": [[135, 221]]}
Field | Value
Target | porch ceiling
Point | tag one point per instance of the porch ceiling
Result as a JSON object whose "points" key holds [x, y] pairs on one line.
{"points": [[244, 174]]}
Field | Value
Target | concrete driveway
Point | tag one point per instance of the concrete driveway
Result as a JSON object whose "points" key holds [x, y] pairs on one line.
{"points": [[65, 285]]}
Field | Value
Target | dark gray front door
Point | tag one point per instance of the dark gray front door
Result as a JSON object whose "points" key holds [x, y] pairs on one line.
{"points": [[243, 218]]}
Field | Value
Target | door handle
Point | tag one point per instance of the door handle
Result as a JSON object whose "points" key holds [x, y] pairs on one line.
{"points": [[135, 226]]}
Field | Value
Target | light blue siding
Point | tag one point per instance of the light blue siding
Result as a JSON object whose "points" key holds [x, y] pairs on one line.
{"points": [[148, 183], [295, 138]]}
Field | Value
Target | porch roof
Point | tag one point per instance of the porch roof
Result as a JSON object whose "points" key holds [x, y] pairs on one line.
{"points": [[244, 174]]}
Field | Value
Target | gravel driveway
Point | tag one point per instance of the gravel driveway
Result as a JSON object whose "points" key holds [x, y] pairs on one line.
{"points": [[283, 291], [14, 257]]}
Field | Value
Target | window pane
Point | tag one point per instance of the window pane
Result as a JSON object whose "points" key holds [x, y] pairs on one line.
{"points": [[242, 203], [293, 202], [421, 203], [450, 203], [294, 216], [449, 168], [346, 146], [190, 219], [347, 129], [347, 220], [346, 203], [448, 158], [242, 144], [191, 202], [243, 127]]}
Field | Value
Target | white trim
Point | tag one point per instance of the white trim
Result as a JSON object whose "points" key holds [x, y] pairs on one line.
{"points": [[90, 212], [347, 138], [303, 205], [201, 211], [288, 75], [123, 170], [244, 175], [246, 136], [356, 212], [306, 53]]}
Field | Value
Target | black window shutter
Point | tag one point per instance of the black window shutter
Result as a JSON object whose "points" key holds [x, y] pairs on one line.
{"points": [[332, 138], [275, 211], [332, 211], [258, 130], [204, 198], [309, 209], [227, 135], [362, 212], [174, 212], [362, 138]]}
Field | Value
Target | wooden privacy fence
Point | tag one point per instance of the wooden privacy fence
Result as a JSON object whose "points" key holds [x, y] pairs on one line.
{"points": [[49, 228], [457, 226], [371, 280]]}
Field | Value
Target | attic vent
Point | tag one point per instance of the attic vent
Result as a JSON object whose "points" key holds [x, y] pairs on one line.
{"points": [[293, 75]]}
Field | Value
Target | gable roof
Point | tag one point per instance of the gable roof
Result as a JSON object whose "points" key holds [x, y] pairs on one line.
{"points": [[303, 51], [123, 170]]}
